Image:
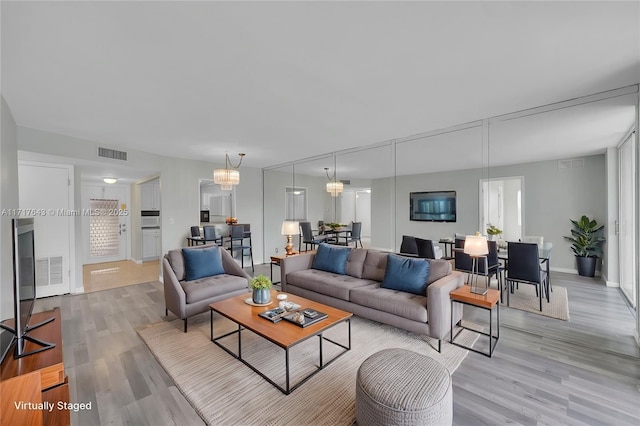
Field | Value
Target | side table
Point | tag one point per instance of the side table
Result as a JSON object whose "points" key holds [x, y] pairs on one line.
{"points": [[275, 260], [488, 302]]}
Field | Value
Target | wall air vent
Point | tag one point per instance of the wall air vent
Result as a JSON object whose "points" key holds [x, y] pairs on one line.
{"points": [[574, 163], [112, 153], [346, 181]]}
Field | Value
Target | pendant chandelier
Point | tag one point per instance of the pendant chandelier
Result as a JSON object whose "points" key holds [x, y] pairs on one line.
{"points": [[229, 176], [334, 187]]}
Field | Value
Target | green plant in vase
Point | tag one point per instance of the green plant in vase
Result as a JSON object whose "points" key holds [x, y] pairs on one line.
{"points": [[261, 286], [585, 242], [492, 231]]}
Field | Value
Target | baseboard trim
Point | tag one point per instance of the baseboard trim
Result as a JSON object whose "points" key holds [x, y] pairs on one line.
{"points": [[570, 271], [78, 290], [136, 261]]}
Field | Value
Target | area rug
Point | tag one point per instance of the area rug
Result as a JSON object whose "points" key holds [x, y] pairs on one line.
{"points": [[524, 298], [224, 391]]}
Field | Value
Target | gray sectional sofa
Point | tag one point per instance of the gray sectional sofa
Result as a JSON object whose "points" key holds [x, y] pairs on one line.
{"points": [[359, 291], [187, 298]]}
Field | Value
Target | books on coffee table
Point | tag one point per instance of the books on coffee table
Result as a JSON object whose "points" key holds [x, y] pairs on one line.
{"points": [[276, 314]]}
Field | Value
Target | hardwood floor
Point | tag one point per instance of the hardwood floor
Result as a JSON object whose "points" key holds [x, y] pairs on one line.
{"points": [[543, 371], [107, 275]]}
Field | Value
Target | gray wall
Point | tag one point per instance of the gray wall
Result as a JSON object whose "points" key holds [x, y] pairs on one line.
{"points": [[8, 200], [551, 197]]}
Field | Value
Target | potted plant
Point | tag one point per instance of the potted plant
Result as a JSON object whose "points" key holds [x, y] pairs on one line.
{"points": [[492, 231], [585, 243], [261, 286]]}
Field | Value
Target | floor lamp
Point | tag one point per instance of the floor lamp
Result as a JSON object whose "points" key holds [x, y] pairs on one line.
{"points": [[476, 246]]}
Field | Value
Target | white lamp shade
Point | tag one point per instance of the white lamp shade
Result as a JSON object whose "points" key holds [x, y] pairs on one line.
{"points": [[476, 245], [290, 227], [335, 188], [226, 178]]}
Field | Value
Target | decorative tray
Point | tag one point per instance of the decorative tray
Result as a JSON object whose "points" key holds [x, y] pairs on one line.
{"points": [[249, 301]]}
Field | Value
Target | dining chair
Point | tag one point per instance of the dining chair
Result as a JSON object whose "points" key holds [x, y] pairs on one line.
{"points": [[354, 235], [523, 266], [195, 231], [307, 237], [238, 235], [408, 245], [490, 267], [534, 239], [210, 234], [425, 248]]}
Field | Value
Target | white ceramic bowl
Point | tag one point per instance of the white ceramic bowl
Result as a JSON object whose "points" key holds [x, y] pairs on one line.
{"points": [[281, 297]]}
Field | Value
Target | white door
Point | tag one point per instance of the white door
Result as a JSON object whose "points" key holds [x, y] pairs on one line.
{"points": [[46, 194], [105, 227], [627, 231]]}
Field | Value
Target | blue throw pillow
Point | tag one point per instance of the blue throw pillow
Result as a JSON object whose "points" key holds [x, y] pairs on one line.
{"points": [[200, 263], [331, 258], [406, 274]]}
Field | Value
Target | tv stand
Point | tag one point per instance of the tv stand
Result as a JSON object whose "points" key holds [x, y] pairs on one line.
{"points": [[21, 341], [38, 378]]}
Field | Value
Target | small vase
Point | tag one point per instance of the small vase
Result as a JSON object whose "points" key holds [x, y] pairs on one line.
{"points": [[491, 237], [261, 295]]}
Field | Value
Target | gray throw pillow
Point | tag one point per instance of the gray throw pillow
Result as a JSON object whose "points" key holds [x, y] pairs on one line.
{"points": [[439, 269]]}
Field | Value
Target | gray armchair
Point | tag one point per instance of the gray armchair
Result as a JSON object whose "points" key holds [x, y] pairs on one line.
{"points": [[188, 298]]}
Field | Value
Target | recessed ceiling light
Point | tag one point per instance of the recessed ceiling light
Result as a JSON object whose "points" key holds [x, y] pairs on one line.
{"points": [[109, 180]]}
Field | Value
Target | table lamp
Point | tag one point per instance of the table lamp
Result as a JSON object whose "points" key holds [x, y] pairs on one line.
{"points": [[290, 228], [476, 246]]}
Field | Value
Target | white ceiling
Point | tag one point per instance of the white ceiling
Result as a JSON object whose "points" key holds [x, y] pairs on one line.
{"points": [[288, 80]]}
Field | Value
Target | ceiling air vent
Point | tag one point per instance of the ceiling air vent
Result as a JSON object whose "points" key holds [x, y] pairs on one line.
{"points": [[112, 153], [346, 181], [574, 163]]}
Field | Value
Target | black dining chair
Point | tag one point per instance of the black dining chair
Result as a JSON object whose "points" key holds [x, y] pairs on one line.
{"points": [[307, 237], [425, 248], [408, 245], [354, 235], [195, 232], [238, 235], [210, 235], [523, 266]]}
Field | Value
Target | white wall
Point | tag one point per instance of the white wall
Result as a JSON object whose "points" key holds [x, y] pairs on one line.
{"points": [[8, 200], [178, 181]]}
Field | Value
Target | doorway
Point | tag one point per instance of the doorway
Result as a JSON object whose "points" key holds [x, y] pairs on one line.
{"points": [[501, 204], [105, 226]]}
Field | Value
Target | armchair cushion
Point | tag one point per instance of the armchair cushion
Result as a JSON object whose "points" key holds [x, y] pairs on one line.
{"points": [[200, 263], [406, 274], [331, 259]]}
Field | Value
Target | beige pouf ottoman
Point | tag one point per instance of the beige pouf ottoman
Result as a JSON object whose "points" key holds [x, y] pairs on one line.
{"points": [[402, 387]]}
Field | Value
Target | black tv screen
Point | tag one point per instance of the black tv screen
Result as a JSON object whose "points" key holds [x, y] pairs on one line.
{"points": [[433, 206]]}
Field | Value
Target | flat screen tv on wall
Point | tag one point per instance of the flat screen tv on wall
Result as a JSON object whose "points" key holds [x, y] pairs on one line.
{"points": [[433, 206]]}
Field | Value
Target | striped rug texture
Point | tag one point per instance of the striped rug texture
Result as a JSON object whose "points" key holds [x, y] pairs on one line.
{"points": [[524, 298], [226, 392]]}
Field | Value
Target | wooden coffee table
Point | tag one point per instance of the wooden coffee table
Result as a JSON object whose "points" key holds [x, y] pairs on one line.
{"points": [[283, 334]]}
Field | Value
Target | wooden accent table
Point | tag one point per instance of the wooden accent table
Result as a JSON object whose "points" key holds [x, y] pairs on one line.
{"points": [[283, 334], [487, 301], [36, 378]]}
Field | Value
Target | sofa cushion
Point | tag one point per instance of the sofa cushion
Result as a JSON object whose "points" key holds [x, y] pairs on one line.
{"points": [[177, 263], [374, 265], [331, 258], [200, 263], [438, 269], [400, 303], [213, 286], [406, 274], [327, 283], [355, 264]]}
